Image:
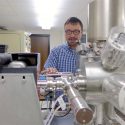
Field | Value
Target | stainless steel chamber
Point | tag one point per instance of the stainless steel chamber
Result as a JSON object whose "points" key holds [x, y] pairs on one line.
{"points": [[102, 16]]}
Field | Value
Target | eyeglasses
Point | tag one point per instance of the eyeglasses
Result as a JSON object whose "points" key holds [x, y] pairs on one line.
{"points": [[75, 32]]}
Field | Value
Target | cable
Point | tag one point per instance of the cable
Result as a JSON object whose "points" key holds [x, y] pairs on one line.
{"points": [[53, 111], [52, 115], [64, 114]]}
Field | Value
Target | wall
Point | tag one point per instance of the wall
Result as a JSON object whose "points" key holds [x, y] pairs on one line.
{"points": [[17, 41], [56, 38]]}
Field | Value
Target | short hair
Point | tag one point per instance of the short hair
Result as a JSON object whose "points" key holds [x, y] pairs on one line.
{"points": [[74, 20]]}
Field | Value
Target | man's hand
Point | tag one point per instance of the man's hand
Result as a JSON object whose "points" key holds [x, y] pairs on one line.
{"points": [[49, 71]]}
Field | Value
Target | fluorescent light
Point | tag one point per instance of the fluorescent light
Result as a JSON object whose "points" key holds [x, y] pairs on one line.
{"points": [[45, 23], [46, 11]]}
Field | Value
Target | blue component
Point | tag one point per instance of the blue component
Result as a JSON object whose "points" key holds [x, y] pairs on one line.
{"points": [[42, 77], [59, 92]]}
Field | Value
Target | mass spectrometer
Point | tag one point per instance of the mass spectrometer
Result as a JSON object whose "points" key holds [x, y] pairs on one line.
{"points": [[96, 94]]}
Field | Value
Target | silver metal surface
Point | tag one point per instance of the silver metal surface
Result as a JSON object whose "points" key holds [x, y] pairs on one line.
{"points": [[103, 15], [94, 70], [17, 64], [19, 103], [96, 95], [91, 90], [114, 90], [82, 111], [113, 54], [86, 59]]}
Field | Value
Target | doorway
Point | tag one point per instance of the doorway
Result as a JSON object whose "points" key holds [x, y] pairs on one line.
{"points": [[40, 43]]}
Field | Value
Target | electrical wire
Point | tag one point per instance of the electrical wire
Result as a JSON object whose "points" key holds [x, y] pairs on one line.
{"points": [[53, 111]]}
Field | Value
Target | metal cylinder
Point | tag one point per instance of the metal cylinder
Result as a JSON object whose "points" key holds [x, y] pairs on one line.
{"points": [[94, 71], [103, 15], [113, 54], [113, 88], [82, 112]]}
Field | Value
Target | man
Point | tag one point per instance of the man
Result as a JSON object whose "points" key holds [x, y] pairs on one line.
{"points": [[64, 58]]}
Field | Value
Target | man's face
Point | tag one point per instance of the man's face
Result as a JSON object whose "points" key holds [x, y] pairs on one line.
{"points": [[73, 33]]}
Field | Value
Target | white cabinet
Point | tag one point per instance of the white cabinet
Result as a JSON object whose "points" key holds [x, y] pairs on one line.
{"points": [[16, 41]]}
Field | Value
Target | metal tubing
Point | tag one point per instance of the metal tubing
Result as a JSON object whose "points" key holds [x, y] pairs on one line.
{"points": [[82, 111]]}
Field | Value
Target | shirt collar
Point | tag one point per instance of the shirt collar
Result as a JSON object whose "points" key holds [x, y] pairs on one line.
{"points": [[69, 48]]}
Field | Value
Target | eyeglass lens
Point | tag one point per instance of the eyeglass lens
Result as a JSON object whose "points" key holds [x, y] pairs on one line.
{"points": [[75, 32]]}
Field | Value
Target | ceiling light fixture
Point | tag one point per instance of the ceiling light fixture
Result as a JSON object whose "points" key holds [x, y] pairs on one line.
{"points": [[46, 11]]}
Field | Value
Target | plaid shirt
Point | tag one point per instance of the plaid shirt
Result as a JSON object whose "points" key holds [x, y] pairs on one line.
{"points": [[63, 58]]}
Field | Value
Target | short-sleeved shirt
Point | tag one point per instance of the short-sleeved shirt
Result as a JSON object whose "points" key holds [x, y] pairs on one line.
{"points": [[63, 58]]}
